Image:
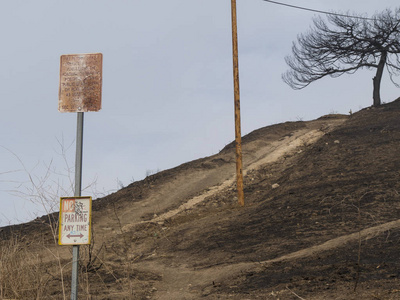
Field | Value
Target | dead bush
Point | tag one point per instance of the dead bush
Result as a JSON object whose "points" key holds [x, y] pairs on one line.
{"points": [[22, 275]]}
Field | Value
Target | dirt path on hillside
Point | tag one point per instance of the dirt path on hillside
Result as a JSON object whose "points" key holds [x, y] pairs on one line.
{"points": [[188, 188], [181, 282], [261, 155]]}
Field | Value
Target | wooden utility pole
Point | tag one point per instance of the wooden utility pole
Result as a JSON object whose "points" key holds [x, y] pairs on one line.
{"points": [[238, 135]]}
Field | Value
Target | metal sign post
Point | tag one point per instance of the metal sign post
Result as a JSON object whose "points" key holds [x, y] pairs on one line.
{"points": [[238, 135], [79, 91], [78, 188]]}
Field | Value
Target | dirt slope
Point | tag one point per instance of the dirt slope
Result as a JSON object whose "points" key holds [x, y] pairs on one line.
{"points": [[321, 220]]}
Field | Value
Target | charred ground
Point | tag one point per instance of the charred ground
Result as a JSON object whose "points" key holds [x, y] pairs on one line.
{"points": [[321, 220]]}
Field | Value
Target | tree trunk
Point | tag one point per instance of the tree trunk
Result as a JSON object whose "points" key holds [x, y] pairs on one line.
{"points": [[378, 78]]}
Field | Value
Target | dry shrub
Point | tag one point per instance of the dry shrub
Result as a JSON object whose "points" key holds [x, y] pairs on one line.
{"points": [[21, 273]]}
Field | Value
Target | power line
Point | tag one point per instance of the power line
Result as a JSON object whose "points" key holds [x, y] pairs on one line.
{"points": [[317, 11]]}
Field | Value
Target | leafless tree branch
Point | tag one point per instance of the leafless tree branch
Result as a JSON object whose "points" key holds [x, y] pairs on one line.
{"points": [[345, 44]]}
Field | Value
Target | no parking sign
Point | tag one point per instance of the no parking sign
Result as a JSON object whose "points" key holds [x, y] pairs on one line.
{"points": [[75, 220]]}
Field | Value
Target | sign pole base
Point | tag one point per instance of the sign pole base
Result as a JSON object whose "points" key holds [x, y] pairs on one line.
{"points": [[75, 267]]}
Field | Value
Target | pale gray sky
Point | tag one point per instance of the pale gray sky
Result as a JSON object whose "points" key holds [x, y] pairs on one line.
{"points": [[167, 85]]}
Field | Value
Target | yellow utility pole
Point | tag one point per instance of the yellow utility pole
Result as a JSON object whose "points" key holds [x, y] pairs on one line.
{"points": [[238, 135]]}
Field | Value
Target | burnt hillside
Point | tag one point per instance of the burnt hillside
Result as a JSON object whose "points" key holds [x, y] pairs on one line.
{"points": [[321, 221]]}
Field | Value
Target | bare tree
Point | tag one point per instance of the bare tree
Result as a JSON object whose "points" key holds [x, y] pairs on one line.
{"points": [[344, 44]]}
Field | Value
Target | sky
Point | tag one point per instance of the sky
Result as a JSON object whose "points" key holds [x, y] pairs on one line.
{"points": [[167, 94]]}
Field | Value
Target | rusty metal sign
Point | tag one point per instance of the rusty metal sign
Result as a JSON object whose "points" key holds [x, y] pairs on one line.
{"points": [[80, 82], [75, 220]]}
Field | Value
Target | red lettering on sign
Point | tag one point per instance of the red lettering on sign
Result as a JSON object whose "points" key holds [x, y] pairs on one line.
{"points": [[68, 205]]}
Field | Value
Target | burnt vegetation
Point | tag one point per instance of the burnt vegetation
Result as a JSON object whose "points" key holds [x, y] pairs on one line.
{"points": [[344, 44]]}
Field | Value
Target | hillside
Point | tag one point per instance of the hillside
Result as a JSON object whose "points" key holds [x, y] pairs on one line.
{"points": [[321, 221]]}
